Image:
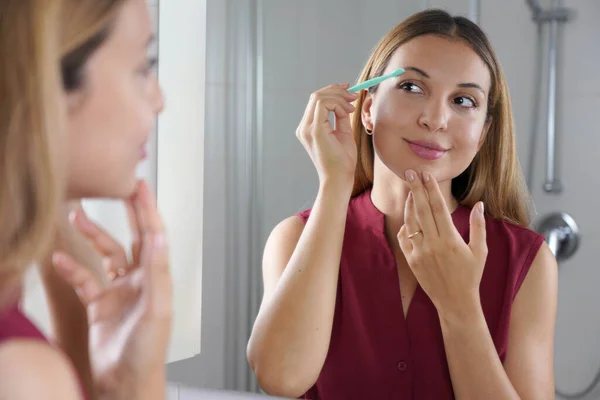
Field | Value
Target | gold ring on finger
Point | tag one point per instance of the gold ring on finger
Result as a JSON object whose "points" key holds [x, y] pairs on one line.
{"points": [[412, 235]]}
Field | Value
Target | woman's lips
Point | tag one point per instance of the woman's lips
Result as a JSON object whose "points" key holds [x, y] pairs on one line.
{"points": [[426, 150]]}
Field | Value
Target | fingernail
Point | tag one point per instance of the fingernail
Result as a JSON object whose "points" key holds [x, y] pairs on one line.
{"points": [[410, 195], [481, 208], [72, 215], [58, 261], [56, 258], [410, 175], [426, 176], [83, 223]]}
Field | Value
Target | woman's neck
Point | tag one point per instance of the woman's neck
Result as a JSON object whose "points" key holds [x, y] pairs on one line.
{"points": [[389, 196]]}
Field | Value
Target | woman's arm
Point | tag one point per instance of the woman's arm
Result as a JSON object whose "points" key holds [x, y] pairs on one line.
{"points": [[290, 338], [68, 316], [475, 368], [291, 334], [530, 356], [34, 370]]}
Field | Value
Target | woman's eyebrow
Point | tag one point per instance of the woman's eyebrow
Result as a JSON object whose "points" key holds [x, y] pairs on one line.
{"points": [[461, 85]]}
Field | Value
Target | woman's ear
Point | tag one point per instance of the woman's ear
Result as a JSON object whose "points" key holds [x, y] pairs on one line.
{"points": [[365, 113]]}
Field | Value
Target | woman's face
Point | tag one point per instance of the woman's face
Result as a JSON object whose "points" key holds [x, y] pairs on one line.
{"points": [[433, 117], [112, 115]]}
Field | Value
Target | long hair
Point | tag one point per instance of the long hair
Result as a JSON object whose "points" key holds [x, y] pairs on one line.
{"points": [[31, 125], [44, 46], [494, 176]]}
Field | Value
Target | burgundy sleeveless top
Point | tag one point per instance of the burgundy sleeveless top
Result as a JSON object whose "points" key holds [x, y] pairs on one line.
{"points": [[15, 325], [376, 353]]}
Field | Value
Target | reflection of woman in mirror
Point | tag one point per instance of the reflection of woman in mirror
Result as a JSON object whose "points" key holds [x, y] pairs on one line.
{"points": [[79, 99], [414, 274]]}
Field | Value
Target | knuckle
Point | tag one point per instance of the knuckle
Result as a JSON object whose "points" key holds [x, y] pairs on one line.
{"points": [[436, 207], [321, 102], [484, 250], [452, 245], [428, 251], [416, 259], [306, 135], [303, 133]]}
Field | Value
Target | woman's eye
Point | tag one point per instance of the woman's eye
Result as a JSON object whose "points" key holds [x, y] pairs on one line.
{"points": [[410, 87], [148, 67], [465, 102]]}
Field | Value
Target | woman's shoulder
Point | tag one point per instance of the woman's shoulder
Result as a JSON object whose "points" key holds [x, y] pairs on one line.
{"points": [[26, 356], [500, 230], [514, 233], [512, 249], [505, 239], [26, 360]]}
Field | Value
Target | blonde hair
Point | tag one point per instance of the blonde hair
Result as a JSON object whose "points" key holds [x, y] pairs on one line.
{"points": [[43, 48], [494, 175], [30, 125]]}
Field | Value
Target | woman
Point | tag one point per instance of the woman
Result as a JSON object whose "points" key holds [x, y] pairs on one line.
{"points": [[398, 283], [79, 101]]}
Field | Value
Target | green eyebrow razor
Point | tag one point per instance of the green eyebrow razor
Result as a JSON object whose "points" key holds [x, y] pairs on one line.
{"points": [[376, 81]]}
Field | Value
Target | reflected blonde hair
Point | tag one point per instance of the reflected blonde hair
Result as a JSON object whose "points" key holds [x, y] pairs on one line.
{"points": [[43, 48], [494, 175]]}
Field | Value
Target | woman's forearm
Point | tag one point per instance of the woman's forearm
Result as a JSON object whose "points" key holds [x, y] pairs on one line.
{"points": [[291, 335], [69, 325], [475, 368], [67, 315]]}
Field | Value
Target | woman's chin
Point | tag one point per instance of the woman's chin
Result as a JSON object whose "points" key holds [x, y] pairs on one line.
{"points": [[116, 190], [124, 191]]}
